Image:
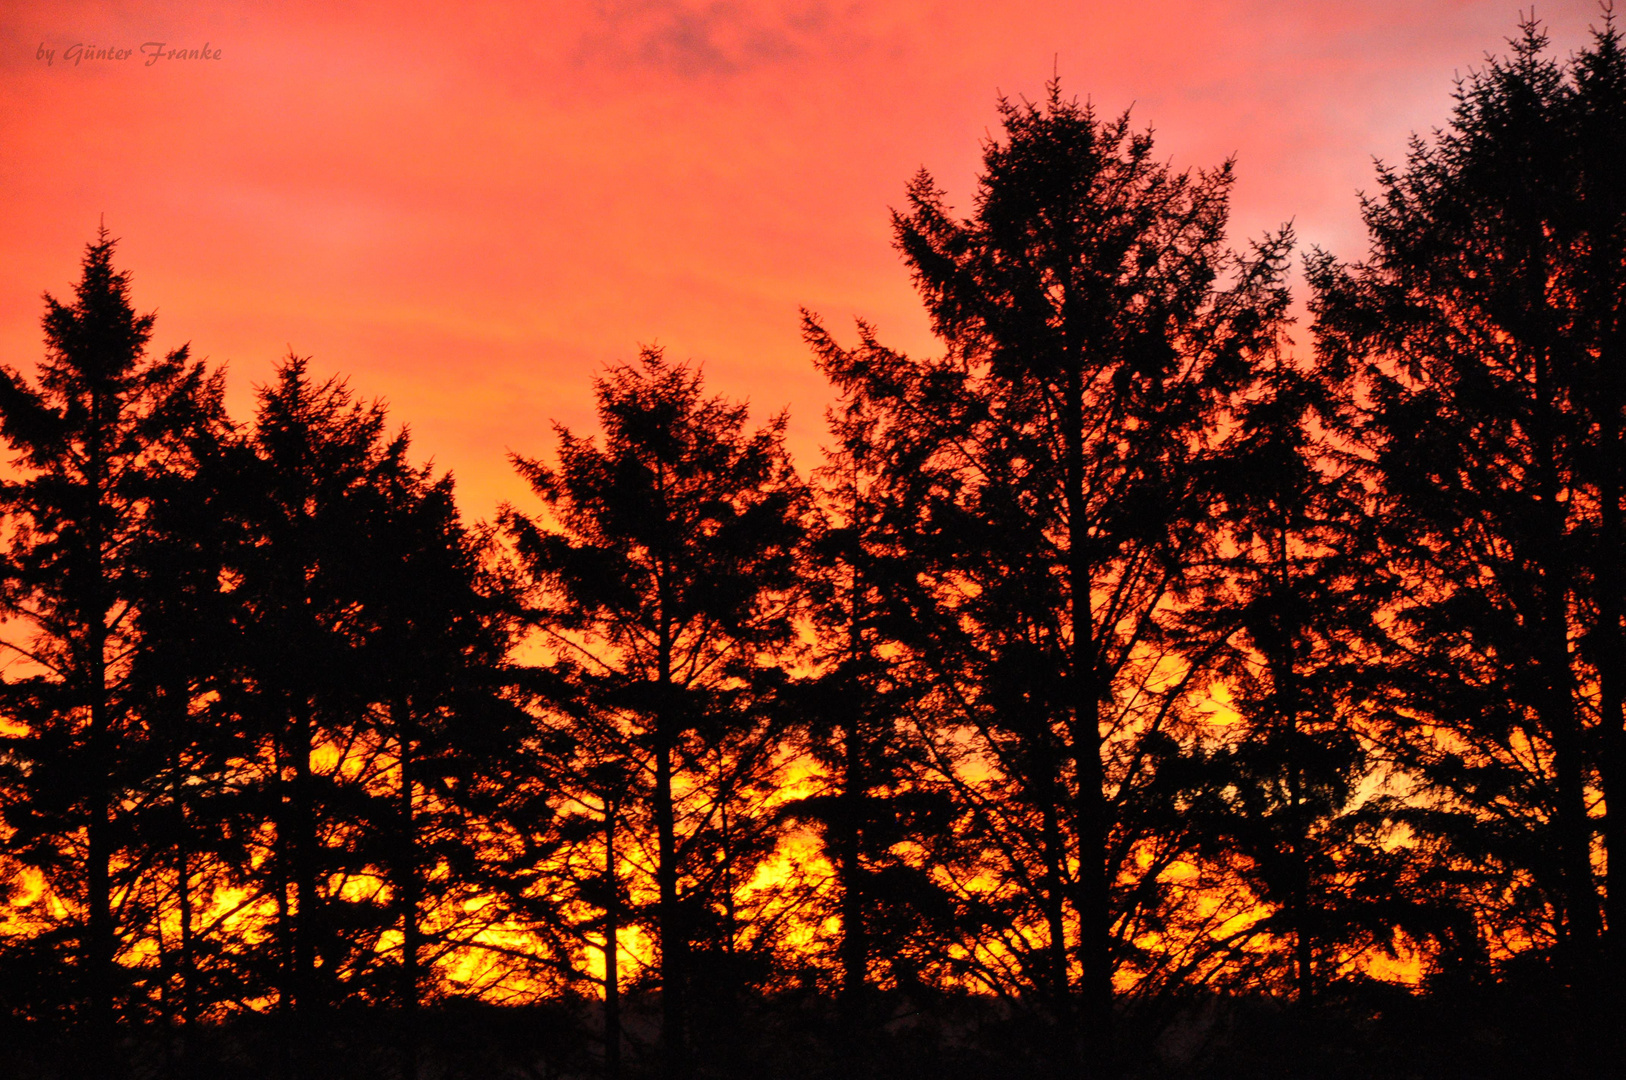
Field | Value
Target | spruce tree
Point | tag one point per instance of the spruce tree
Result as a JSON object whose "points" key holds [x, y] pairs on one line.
{"points": [[664, 569], [94, 437], [1486, 319], [1091, 352], [1301, 805], [316, 695]]}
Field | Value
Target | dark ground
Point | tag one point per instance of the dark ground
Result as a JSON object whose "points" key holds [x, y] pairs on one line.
{"points": [[1368, 1031]]}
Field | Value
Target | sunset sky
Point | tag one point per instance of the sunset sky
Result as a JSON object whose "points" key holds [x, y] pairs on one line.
{"points": [[470, 211]]}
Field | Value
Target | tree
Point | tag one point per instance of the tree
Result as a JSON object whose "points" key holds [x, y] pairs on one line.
{"points": [[888, 828], [181, 807], [435, 660], [95, 438], [369, 680], [665, 569], [1487, 321], [1300, 590], [1090, 357], [1594, 289]]}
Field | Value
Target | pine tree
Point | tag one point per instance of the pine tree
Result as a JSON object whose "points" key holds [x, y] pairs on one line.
{"points": [[664, 569], [1487, 321], [103, 425], [316, 693], [434, 661], [184, 814], [1299, 588], [867, 707], [1090, 357]]}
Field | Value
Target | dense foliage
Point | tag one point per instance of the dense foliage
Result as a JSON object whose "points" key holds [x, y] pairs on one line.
{"points": [[1128, 690]]}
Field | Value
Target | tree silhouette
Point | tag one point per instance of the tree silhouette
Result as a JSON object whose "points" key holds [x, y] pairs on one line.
{"points": [[342, 682], [1089, 354], [1124, 688], [183, 813], [1485, 318], [435, 657], [871, 702], [664, 571], [1300, 588], [104, 424]]}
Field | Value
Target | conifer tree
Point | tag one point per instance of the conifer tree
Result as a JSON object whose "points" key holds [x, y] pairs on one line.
{"points": [[664, 571], [1487, 321], [1299, 589], [314, 496], [865, 711], [434, 662], [184, 814], [94, 436], [1090, 355]]}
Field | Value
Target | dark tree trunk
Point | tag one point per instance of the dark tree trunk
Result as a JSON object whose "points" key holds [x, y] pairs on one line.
{"points": [[854, 937], [612, 949], [99, 945], [1091, 814], [408, 889], [674, 944], [183, 892], [306, 905]]}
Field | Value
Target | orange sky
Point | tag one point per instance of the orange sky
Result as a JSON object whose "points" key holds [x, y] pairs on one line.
{"points": [[470, 211]]}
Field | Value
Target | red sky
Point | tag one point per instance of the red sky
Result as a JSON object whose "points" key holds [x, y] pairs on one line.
{"points": [[470, 211]]}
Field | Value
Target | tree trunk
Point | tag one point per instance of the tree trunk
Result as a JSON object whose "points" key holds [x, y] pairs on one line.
{"points": [[183, 888], [1573, 826], [851, 807], [99, 946], [854, 938], [612, 948], [408, 889], [306, 904], [674, 945], [1055, 911], [1285, 678], [1088, 699]]}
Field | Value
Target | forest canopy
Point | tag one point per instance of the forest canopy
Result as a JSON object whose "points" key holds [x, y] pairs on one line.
{"points": [[1132, 688]]}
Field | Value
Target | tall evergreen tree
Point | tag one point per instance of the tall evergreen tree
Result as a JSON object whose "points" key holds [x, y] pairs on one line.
{"points": [[1091, 354], [665, 567], [1487, 321], [101, 427], [1299, 588], [328, 500], [183, 813], [870, 703], [435, 664]]}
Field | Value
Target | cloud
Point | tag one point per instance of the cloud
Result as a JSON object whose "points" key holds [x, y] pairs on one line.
{"points": [[710, 40]]}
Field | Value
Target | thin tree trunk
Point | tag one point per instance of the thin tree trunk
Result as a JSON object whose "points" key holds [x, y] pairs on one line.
{"points": [[183, 889], [850, 810], [1088, 699], [854, 937], [306, 904], [408, 890], [282, 853], [674, 1041], [1055, 910], [1286, 679], [1581, 920], [612, 947], [99, 945]]}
